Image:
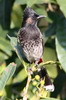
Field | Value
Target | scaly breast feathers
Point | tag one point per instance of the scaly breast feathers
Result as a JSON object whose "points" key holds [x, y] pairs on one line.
{"points": [[33, 50]]}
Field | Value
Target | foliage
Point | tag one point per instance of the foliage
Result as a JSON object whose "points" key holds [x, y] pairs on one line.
{"points": [[7, 73], [53, 28]]}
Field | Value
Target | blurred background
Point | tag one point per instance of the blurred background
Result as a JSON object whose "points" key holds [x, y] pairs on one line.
{"points": [[53, 28]]}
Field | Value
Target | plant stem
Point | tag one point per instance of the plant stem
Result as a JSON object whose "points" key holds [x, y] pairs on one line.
{"points": [[25, 94], [48, 62]]}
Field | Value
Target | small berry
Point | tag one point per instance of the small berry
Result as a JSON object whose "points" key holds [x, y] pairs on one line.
{"points": [[37, 77], [34, 83]]}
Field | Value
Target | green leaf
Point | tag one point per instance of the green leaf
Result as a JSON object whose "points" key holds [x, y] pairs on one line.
{"points": [[62, 4], [3, 57], [5, 46], [28, 2], [49, 99], [7, 74], [5, 13], [41, 11], [61, 42], [20, 1], [3, 32], [51, 30], [17, 61], [16, 16], [32, 2], [20, 76], [5, 98], [2, 67], [37, 98], [49, 55]]}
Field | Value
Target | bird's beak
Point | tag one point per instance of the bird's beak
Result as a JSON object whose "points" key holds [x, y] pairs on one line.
{"points": [[41, 16]]}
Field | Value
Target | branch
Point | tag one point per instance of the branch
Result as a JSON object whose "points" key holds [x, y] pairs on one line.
{"points": [[48, 62], [26, 88]]}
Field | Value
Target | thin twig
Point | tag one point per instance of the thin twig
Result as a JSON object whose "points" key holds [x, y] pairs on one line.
{"points": [[48, 62], [26, 88]]}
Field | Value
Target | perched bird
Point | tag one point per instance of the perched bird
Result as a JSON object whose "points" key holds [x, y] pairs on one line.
{"points": [[31, 41]]}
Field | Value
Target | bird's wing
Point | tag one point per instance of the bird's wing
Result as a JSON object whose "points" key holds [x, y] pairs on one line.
{"points": [[22, 35], [43, 42]]}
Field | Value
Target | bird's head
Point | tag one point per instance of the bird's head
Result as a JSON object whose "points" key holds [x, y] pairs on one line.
{"points": [[30, 16]]}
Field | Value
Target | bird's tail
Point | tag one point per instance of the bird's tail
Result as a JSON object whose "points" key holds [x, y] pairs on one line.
{"points": [[48, 83], [44, 75]]}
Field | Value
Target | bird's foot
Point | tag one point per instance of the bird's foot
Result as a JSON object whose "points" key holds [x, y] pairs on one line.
{"points": [[30, 71], [37, 62]]}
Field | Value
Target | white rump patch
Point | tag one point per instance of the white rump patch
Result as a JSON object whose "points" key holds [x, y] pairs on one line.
{"points": [[50, 88]]}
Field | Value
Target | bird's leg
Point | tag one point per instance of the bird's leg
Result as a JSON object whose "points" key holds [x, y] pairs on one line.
{"points": [[29, 69], [37, 62]]}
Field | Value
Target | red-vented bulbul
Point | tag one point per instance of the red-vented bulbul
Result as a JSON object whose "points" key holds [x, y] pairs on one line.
{"points": [[31, 41]]}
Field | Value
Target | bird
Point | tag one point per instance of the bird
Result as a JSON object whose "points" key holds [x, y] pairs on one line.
{"points": [[32, 43]]}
